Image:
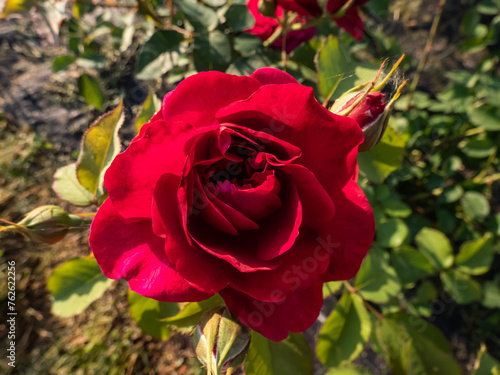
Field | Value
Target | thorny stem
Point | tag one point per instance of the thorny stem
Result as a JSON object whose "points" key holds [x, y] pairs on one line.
{"points": [[342, 11], [353, 290], [427, 50], [274, 37], [373, 310], [170, 6]]}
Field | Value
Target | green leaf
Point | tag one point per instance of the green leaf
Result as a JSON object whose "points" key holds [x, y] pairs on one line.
{"points": [[332, 62], [384, 158], [415, 346], [485, 364], [494, 224], [90, 90], [396, 208], [100, 145], [147, 311], [392, 233], [215, 3], [151, 105], [246, 44], [92, 61], [349, 370], [345, 332], [427, 292], [475, 205], [331, 287], [75, 285], [192, 312], [200, 16], [67, 187], [461, 287], [212, 52], [248, 64], [475, 257], [469, 22], [410, 264], [479, 148], [491, 293], [485, 116], [238, 18], [291, 356], [377, 281], [436, 247], [158, 54], [451, 194], [62, 62]]}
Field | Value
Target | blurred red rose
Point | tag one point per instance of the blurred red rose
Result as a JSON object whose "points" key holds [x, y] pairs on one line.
{"points": [[264, 27], [242, 186], [351, 21]]}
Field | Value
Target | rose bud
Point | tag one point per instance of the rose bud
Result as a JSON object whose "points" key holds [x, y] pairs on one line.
{"points": [[369, 114], [368, 108], [221, 341], [267, 7], [48, 224]]}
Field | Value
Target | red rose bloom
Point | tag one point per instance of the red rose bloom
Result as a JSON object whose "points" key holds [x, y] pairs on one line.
{"points": [[264, 27], [243, 186], [351, 21]]}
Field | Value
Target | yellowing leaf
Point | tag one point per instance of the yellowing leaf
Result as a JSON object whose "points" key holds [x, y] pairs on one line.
{"points": [[67, 187], [16, 6], [100, 145]]}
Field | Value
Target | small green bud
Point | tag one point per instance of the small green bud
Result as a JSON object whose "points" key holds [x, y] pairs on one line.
{"points": [[220, 341], [48, 224], [267, 7]]}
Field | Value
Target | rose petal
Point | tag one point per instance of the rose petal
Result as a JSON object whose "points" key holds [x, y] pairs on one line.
{"points": [[255, 203], [210, 214], [300, 268], [302, 7], [288, 111], [317, 206], [129, 249], [268, 76], [352, 23], [296, 313], [236, 218], [197, 98], [282, 228], [295, 38], [349, 234], [131, 178], [282, 151], [195, 265]]}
